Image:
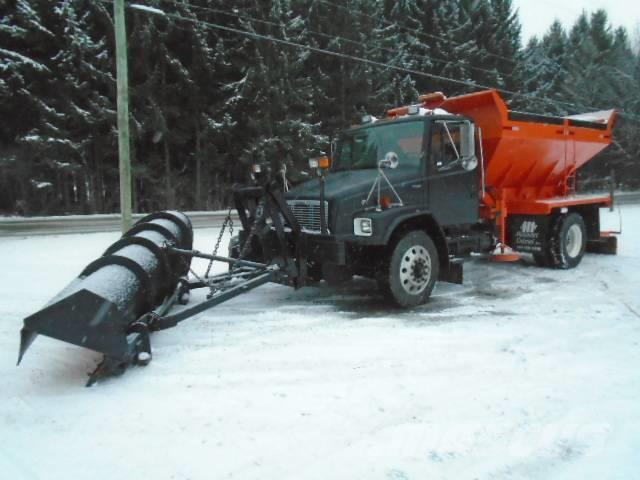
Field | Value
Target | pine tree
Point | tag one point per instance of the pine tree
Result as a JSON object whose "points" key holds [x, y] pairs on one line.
{"points": [[83, 90], [401, 46], [506, 40], [343, 90], [275, 109], [25, 99], [544, 72], [206, 102], [452, 46]]}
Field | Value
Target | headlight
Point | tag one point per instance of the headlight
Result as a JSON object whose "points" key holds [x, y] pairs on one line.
{"points": [[363, 227]]}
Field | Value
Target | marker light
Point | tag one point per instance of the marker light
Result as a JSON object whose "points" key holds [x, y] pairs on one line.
{"points": [[433, 100], [320, 163]]}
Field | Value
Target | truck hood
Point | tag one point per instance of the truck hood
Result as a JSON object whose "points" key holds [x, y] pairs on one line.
{"points": [[346, 184]]}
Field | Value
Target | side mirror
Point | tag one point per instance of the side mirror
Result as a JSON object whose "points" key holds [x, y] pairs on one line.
{"points": [[469, 163], [390, 160], [468, 159]]}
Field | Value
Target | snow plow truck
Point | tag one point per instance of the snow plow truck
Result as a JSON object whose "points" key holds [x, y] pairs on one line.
{"points": [[403, 200]]}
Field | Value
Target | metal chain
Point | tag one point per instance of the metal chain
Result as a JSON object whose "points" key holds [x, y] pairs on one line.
{"points": [[247, 242], [227, 222]]}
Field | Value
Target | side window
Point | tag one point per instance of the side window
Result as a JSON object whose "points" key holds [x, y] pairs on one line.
{"points": [[365, 152], [405, 140], [446, 145]]}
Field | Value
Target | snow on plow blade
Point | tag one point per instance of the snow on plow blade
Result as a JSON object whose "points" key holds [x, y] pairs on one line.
{"points": [[100, 308]]}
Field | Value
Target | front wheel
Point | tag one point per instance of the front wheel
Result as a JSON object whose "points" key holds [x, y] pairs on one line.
{"points": [[412, 270]]}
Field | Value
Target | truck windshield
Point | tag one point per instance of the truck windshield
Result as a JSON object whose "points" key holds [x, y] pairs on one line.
{"points": [[365, 148]]}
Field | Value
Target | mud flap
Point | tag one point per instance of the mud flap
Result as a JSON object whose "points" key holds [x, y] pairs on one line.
{"points": [[453, 274], [607, 245]]}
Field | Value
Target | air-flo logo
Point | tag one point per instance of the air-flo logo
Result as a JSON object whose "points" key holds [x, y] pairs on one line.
{"points": [[529, 236], [529, 227]]}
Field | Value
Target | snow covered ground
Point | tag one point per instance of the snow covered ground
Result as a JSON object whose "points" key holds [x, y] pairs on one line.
{"points": [[520, 373]]}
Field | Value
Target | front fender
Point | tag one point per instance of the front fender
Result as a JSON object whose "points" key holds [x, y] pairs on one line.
{"points": [[396, 221], [410, 215], [385, 223], [391, 223]]}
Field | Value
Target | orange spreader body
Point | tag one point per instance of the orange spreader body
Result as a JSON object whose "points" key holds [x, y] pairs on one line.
{"points": [[530, 161]]}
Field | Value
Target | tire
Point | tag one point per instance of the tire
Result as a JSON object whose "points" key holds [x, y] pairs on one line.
{"points": [[413, 268], [567, 242]]}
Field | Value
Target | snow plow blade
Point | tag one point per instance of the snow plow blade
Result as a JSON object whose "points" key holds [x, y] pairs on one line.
{"points": [[100, 309], [131, 291]]}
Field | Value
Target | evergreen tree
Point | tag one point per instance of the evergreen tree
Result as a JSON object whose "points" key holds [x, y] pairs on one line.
{"points": [[27, 99], [275, 109], [342, 89], [401, 47], [206, 102], [544, 72], [83, 91], [450, 45]]}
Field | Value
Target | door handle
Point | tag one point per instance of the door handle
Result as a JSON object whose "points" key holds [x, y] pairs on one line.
{"points": [[416, 186]]}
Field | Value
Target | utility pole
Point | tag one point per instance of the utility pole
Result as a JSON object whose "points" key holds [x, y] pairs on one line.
{"points": [[124, 148]]}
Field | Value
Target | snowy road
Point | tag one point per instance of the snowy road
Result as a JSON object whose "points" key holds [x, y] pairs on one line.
{"points": [[520, 373]]}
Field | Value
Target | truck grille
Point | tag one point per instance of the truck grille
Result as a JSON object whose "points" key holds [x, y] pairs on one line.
{"points": [[307, 212]]}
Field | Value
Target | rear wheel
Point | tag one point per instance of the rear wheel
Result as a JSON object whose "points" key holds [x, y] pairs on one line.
{"points": [[568, 241], [412, 271]]}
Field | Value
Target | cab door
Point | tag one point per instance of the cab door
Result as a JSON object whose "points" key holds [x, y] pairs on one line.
{"points": [[452, 188]]}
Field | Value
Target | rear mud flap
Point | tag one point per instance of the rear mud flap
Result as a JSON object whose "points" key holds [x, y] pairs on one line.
{"points": [[603, 245]]}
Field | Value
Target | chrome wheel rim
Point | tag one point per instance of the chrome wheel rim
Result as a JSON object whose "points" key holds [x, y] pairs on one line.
{"points": [[574, 241], [415, 270]]}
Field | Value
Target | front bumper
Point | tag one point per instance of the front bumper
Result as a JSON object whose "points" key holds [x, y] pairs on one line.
{"points": [[324, 249]]}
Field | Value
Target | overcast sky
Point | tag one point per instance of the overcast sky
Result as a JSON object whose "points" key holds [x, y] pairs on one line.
{"points": [[538, 15]]}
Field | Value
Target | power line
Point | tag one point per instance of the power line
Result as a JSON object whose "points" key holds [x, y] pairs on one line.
{"points": [[430, 35], [409, 29], [160, 13], [311, 48], [347, 40], [321, 50]]}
